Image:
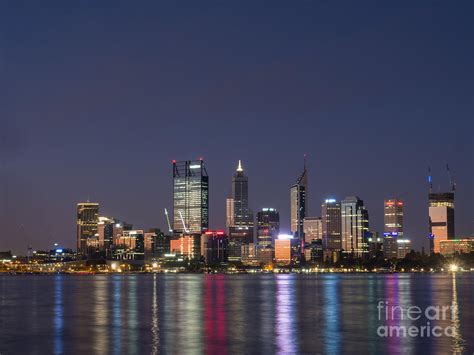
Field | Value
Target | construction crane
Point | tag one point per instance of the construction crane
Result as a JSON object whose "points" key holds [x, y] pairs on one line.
{"points": [[182, 220], [168, 220], [451, 182]]}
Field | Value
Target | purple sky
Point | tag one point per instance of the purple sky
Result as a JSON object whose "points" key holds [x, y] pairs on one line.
{"points": [[96, 100]]}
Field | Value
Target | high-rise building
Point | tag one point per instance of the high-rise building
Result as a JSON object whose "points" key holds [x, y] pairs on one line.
{"points": [[190, 197], [87, 220], [441, 212], [239, 221], [298, 204], [354, 227], [393, 227], [268, 226], [331, 225], [393, 216], [105, 231], [313, 229]]}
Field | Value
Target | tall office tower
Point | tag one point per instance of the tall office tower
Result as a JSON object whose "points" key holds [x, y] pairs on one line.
{"points": [[331, 225], [239, 215], [190, 197], [393, 227], [298, 204], [393, 216], [105, 230], [87, 219], [313, 229], [268, 226], [441, 212], [354, 227]]}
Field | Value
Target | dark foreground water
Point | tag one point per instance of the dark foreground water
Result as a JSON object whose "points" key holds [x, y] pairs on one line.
{"points": [[330, 313]]}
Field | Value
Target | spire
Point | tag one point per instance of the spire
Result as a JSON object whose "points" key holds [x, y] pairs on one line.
{"points": [[239, 167], [304, 162]]}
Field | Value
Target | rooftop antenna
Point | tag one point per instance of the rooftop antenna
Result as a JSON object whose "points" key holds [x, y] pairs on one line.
{"points": [[430, 179], [451, 182]]}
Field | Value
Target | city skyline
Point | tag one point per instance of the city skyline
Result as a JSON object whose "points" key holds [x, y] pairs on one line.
{"points": [[373, 95]]}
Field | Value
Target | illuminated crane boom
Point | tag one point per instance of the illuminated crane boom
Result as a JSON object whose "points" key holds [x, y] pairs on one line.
{"points": [[168, 220], [182, 220]]}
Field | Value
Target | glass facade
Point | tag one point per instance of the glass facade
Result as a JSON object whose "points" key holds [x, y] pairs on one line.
{"points": [[86, 222], [190, 197], [354, 226]]}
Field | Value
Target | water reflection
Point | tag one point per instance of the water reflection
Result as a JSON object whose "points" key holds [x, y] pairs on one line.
{"points": [[332, 336], [458, 342], [101, 314], [237, 314], [285, 315], [116, 313], [58, 315], [155, 320]]}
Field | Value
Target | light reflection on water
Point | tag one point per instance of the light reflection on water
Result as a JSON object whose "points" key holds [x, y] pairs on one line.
{"points": [[330, 313]]}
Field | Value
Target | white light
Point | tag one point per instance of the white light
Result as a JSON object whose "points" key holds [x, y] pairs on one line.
{"points": [[155, 265], [285, 236], [194, 166], [330, 200], [403, 241], [453, 267]]}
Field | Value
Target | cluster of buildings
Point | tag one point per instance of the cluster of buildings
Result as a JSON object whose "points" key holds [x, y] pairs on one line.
{"points": [[341, 231]]}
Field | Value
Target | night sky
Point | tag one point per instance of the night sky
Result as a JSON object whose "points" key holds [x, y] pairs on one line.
{"points": [[97, 98]]}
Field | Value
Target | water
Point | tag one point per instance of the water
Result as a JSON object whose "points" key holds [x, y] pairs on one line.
{"points": [[191, 313]]}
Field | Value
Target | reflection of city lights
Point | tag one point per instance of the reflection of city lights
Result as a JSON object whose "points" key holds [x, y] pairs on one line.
{"points": [[453, 267]]}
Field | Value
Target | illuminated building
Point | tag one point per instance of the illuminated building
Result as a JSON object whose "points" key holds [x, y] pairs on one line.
{"points": [[375, 244], [393, 216], [265, 254], [449, 247], [313, 229], [105, 231], [354, 226], [403, 247], [190, 197], [188, 246], [268, 226], [229, 208], [283, 249], [331, 225], [441, 212], [239, 216], [129, 245], [298, 204], [161, 244], [87, 219], [214, 247], [393, 227], [390, 246]]}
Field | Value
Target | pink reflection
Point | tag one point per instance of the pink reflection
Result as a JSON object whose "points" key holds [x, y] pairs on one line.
{"points": [[214, 315]]}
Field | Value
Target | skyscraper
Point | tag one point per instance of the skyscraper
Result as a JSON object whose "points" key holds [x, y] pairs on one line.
{"points": [[313, 229], [393, 227], [243, 215], [86, 222], [354, 226], [298, 204], [331, 224], [239, 220], [441, 212], [268, 226], [190, 197]]}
